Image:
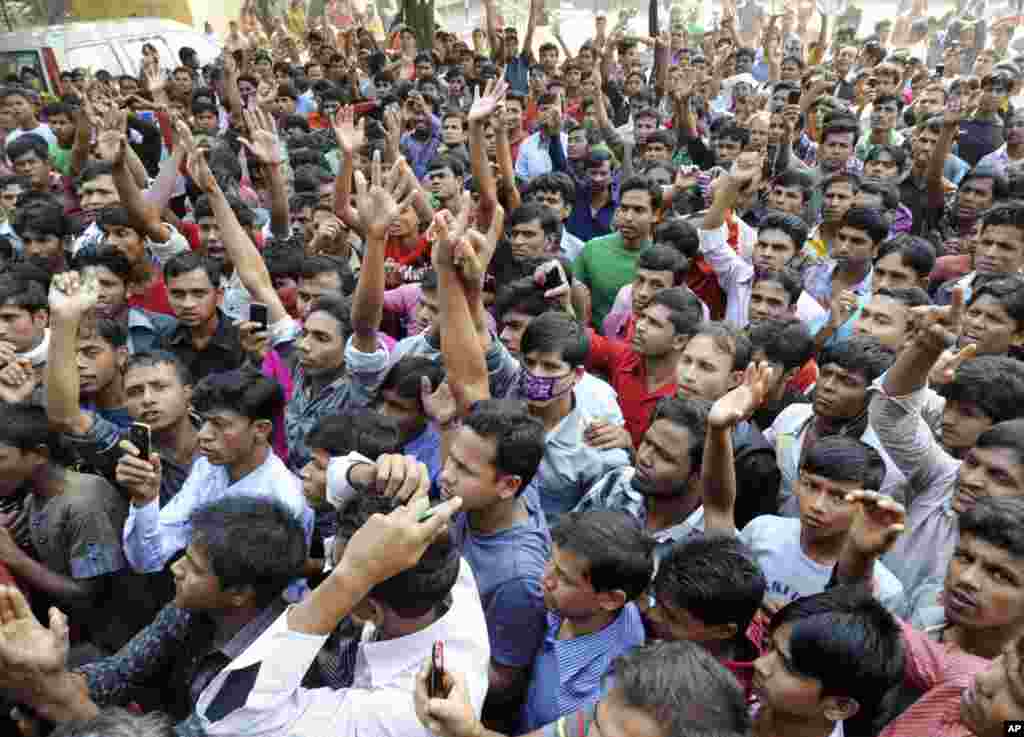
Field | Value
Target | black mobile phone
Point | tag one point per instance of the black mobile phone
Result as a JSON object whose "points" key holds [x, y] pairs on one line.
{"points": [[140, 437], [435, 688], [940, 69], [553, 279], [258, 314], [794, 97]]}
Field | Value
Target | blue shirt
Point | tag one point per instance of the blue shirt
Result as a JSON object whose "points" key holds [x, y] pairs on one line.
{"points": [[584, 223], [508, 566], [567, 674], [517, 74], [420, 152], [426, 448]]}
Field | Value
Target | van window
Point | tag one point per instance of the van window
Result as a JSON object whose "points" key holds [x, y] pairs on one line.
{"points": [[94, 58], [205, 49], [12, 62]]}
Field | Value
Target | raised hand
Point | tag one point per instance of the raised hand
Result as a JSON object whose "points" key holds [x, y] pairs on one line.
{"points": [[154, 78], [743, 401], [264, 144], [447, 232], [30, 653], [350, 136], [140, 477], [71, 296], [485, 104], [379, 202], [940, 326], [878, 521], [18, 379], [842, 308], [438, 404], [944, 370], [112, 136]]}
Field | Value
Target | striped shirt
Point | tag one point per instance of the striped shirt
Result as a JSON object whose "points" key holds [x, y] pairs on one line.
{"points": [[942, 671], [567, 674]]}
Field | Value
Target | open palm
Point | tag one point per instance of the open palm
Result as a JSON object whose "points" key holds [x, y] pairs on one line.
{"points": [[28, 650], [485, 104], [350, 136]]}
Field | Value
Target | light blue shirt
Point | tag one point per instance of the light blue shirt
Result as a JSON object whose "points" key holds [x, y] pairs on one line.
{"points": [[534, 157], [152, 536]]}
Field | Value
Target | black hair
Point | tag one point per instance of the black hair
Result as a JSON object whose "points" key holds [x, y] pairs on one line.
{"points": [[907, 296], [715, 578], [839, 125], [522, 295], [324, 264], [454, 163], [556, 332], [684, 688], [203, 107], [664, 258], [791, 225], [356, 430], [24, 426], [896, 153], [1000, 184], [867, 220], [618, 554], [680, 234], [685, 311], [1008, 292], [1008, 434], [642, 183], [842, 458], [727, 339], [996, 520], [842, 176], [863, 354], [405, 376], [785, 342], [845, 639], [184, 263], [116, 216], [732, 132], [518, 437], [339, 308], [24, 293], [888, 192], [553, 182], [785, 277], [531, 211], [28, 143], [994, 383], [43, 218], [112, 332], [242, 211], [690, 413], [145, 359], [795, 179], [93, 170], [252, 542], [415, 591], [245, 391], [915, 252], [881, 99]]}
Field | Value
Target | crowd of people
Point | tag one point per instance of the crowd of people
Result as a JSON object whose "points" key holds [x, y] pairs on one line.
{"points": [[667, 387]]}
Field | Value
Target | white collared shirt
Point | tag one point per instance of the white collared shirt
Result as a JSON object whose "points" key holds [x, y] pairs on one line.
{"points": [[380, 700]]}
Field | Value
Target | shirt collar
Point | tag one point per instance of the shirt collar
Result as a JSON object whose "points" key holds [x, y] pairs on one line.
{"points": [[221, 338], [253, 629]]}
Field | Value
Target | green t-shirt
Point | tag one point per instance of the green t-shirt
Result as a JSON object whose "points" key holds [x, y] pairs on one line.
{"points": [[61, 159], [605, 265]]}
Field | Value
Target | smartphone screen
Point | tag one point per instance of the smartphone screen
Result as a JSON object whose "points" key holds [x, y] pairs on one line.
{"points": [[258, 314], [436, 685], [140, 438], [794, 97]]}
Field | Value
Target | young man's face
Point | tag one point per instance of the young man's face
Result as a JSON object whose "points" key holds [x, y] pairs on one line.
{"points": [[207, 122], [891, 272], [193, 298], [9, 198], [314, 478], [21, 110], [643, 128], [322, 345], [112, 291], [470, 473], [43, 248], [824, 512], [405, 224], [922, 145], [635, 216], [210, 242], [452, 131], [838, 198], [578, 146], [887, 319], [727, 150], [853, 248], [840, 394], [705, 370], [974, 197], [883, 167], [646, 282], [883, 116], [989, 325], [655, 336], [20, 328], [228, 438], [662, 465], [634, 85], [155, 395], [550, 365], [773, 249], [311, 288], [513, 325], [657, 151], [769, 301], [567, 587], [962, 423], [528, 240], [836, 151], [999, 250], [786, 199], [126, 241], [427, 311], [549, 58], [779, 687], [63, 128], [99, 363], [36, 169], [444, 184], [183, 80], [553, 200], [97, 193], [984, 587]]}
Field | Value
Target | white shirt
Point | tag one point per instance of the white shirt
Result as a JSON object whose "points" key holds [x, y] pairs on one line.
{"points": [[735, 275], [153, 535], [380, 700], [534, 156]]}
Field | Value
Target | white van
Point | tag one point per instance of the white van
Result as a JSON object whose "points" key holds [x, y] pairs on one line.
{"points": [[112, 45]]}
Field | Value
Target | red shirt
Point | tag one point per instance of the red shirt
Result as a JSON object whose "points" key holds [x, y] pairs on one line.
{"points": [[627, 373], [154, 298]]}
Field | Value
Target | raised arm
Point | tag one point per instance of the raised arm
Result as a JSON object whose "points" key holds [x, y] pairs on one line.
{"points": [[536, 8], [506, 167], [350, 137], [69, 302], [950, 127], [718, 468], [249, 264], [877, 523], [265, 147], [483, 108], [377, 203]]}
